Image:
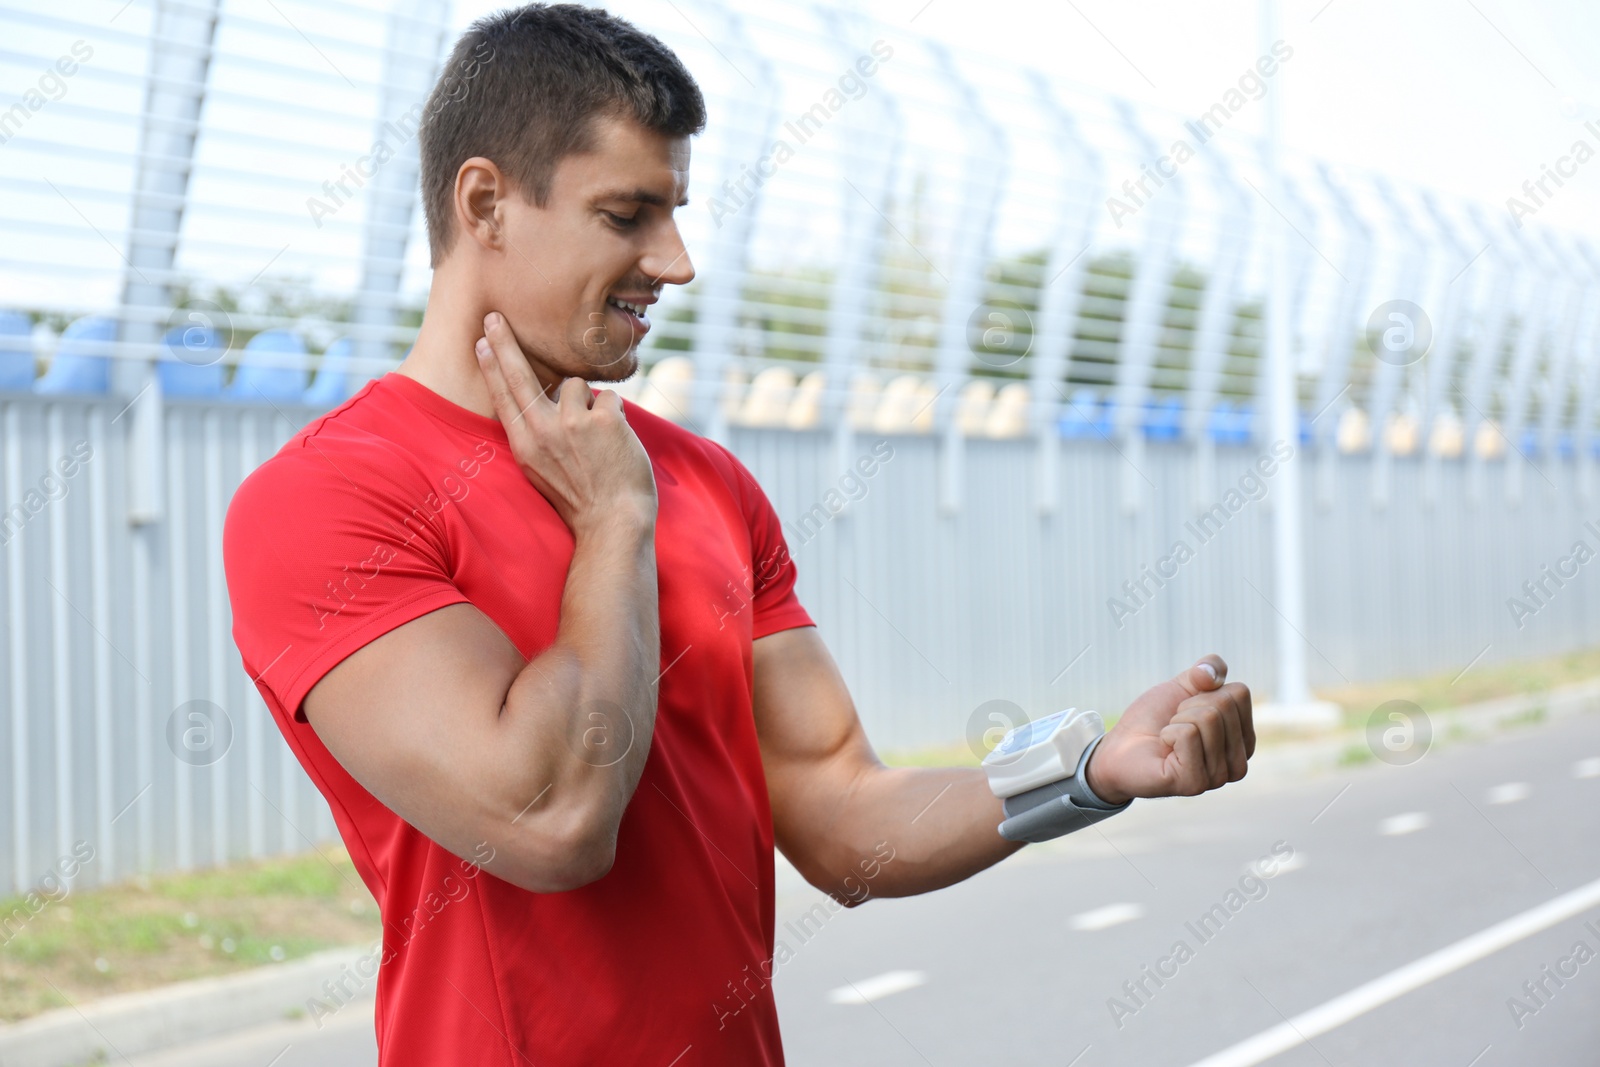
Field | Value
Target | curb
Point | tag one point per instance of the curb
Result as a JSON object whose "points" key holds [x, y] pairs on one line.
{"points": [[128, 1024]]}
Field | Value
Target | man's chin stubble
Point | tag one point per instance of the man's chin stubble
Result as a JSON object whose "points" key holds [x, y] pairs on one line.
{"points": [[619, 370]]}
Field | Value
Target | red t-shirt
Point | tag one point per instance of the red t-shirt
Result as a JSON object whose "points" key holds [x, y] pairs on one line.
{"points": [[400, 502]]}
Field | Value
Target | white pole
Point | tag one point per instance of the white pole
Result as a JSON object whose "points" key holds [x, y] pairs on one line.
{"points": [[1293, 702]]}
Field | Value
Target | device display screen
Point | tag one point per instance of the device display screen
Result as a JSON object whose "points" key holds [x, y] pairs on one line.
{"points": [[1029, 734]]}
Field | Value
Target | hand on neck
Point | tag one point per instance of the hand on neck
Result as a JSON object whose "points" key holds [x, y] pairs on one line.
{"points": [[442, 358]]}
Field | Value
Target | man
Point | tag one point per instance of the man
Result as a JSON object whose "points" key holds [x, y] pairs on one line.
{"points": [[540, 650]]}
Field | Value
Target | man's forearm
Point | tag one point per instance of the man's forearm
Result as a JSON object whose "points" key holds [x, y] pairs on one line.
{"points": [[941, 823], [584, 709]]}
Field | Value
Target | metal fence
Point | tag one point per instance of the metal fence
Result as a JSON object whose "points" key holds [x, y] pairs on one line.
{"points": [[1046, 301]]}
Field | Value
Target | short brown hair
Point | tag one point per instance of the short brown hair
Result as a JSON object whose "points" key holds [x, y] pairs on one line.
{"points": [[524, 87]]}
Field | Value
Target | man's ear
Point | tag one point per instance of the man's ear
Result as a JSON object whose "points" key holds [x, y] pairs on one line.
{"points": [[481, 189]]}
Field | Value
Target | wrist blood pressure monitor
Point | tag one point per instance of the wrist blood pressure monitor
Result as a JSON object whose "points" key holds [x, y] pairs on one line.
{"points": [[1037, 769]]}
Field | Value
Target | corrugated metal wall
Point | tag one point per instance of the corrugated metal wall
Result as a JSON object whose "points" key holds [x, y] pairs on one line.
{"points": [[112, 632]]}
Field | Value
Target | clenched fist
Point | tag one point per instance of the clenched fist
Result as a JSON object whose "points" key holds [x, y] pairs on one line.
{"points": [[1180, 738]]}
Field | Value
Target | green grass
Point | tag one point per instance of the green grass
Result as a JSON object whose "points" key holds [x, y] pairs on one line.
{"points": [[1453, 689], [1531, 717], [1355, 754], [152, 931]]}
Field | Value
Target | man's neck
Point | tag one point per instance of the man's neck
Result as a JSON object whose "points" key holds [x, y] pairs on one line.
{"points": [[442, 357]]}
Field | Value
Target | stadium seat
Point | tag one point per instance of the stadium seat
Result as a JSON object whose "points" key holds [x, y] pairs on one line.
{"points": [[332, 383], [1530, 445], [1163, 420], [865, 392], [767, 402], [16, 351], [1489, 443], [735, 386], [82, 362], [1218, 422], [1244, 426], [906, 406], [272, 378], [1401, 434], [1085, 417], [1354, 433], [1008, 416], [1448, 438], [668, 388], [1230, 423], [196, 367], [972, 406], [805, 410]]}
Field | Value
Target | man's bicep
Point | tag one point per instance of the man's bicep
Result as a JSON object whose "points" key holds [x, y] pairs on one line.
{"points": [[813, 747], [412, 716], [803, 709]]}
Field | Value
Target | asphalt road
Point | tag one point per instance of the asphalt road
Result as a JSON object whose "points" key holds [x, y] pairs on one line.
{"points": [[1417, 903]]}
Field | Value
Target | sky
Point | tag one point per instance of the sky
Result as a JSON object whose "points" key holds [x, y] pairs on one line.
{"points": [[1469, 96]]}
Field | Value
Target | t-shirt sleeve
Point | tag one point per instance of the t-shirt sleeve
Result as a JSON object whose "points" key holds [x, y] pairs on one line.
{"points": [[325, 554], [773, 574]]}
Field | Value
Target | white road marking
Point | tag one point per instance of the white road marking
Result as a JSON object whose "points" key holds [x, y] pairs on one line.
{"points": [[1260, 868], [1110, 915], [1409, 823], [1292, 1033], [1508, 793], [1587, 768], [869, 989]]}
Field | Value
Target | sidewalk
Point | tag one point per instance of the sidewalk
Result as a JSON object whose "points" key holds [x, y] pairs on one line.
{"points": [[117, 1027]]}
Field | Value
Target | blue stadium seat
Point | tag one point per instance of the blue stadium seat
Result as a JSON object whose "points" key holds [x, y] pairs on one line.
{"points": [[332, 383], [1163, 420], [1087, 417], [273, 378], [1219, 422], [199, 370], [81, 363], [1231, 423], [1235, 424], [1245, 425], [16, 351]]}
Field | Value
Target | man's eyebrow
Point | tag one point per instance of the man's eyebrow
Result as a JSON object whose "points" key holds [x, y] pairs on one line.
{"points": [[641, 196]]}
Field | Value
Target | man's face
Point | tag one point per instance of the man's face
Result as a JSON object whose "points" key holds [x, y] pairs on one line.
{"points": [[605, 238]]}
